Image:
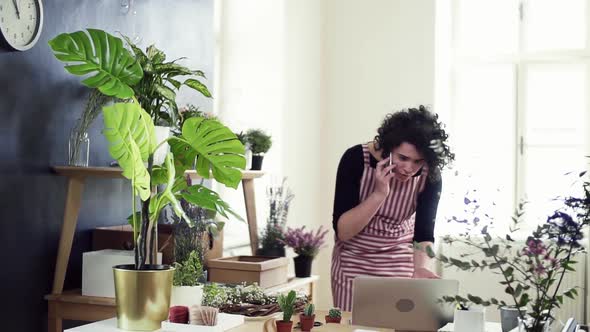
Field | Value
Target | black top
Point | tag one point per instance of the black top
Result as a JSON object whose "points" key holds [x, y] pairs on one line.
{"points": [[348, 184]]}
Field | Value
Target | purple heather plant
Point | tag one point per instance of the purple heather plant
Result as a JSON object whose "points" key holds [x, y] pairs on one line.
{"points": [[305, 243]]}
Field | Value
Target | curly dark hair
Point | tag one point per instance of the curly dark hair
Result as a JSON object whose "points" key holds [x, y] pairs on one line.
{"points": [[421, 128]]}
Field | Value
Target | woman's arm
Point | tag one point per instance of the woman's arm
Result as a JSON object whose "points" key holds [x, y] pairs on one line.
{"points": [[427, 206], [350, 215], [354, 220]]}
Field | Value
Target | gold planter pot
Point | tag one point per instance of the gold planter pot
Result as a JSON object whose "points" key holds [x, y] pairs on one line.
{"points": [[143, 296]]}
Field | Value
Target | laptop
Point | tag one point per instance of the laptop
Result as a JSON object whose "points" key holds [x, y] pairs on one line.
{"points": [[402, 304]]}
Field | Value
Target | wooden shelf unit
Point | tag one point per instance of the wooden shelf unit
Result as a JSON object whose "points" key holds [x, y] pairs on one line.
{"points": [[71, 304]]}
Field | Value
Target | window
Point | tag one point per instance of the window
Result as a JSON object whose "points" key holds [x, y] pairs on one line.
{"points": [[518, 105]]}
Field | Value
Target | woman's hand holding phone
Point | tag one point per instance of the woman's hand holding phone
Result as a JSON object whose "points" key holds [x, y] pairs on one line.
{"points": [[383, 174]]}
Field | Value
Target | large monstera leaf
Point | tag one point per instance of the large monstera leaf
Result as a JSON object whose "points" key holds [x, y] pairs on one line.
{"points": [[208, 199], [214, 146], [131, 136], [114, 70]]}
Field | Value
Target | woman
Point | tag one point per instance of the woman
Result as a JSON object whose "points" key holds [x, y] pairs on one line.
{"points": [[387, 194]]}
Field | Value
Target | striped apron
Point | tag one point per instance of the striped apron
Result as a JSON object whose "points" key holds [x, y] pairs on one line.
{"points": [[384, 247]]}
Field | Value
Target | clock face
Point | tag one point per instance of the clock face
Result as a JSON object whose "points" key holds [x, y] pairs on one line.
{"points": [[20, 23]]}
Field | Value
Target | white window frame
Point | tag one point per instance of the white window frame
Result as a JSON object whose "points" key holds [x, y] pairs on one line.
{"points": [[519, 61]]}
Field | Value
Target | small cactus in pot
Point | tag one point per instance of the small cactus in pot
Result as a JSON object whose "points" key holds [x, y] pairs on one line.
{"points": [[307, 318], [334, 316]]}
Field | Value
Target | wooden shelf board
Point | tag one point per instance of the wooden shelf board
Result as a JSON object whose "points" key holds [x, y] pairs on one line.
{"points": [[75, 296], [116, 172]]}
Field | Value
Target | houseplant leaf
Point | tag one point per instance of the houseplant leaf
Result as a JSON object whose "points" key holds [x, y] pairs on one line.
{"points": [[130, 134], [208, 199], [216, 148], [114, 70], [197, 85]]}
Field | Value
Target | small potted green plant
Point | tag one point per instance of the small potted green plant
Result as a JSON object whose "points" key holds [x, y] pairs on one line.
{"points": [[259, 143], [466, 318], [307, 318], [287, 305], [272, 237], [186, 289], [334, 316]]}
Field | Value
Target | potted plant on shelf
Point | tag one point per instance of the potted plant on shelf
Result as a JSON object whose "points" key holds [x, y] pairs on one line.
{"points": [[187, 289], [287, 305], [533, 271], [334, 316], [259, 142], [272, 237], [307, 318], [143, 289], [306, 245]]}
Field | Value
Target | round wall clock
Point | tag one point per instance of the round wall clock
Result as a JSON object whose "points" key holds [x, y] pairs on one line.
{"points": [[21, 22]]}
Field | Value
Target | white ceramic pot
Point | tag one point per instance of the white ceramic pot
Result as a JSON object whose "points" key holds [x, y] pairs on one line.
{"points": [[248, 156], [162, 133], [186, 295], [472, 320]]}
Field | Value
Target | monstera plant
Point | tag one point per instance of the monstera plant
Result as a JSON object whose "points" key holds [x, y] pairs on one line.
{"points": [[149, 84]]}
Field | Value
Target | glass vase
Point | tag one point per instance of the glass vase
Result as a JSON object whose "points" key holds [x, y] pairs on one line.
{"points": [[78, 148]]}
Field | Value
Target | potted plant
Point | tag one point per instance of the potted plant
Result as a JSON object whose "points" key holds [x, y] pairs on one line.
{"points": [[143, 289], [186, 287], [532, 272], [334, 316], [306, 245], [287, 305], [272, 237], [259, 143], [466, 317], [307, 318]]}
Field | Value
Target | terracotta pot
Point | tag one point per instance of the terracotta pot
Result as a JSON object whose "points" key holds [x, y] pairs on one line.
{"points": [[284, 326], [333, 319], [306, 322]]}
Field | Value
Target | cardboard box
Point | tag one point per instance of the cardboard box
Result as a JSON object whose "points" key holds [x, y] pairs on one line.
{"points": [[121, 238], [265, 271]]}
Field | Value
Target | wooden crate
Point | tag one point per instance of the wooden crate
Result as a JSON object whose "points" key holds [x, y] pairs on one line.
{"points": [[121, 238], [265, 271]]}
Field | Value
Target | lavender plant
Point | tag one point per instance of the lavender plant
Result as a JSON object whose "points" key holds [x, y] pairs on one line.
{"points": [[305, 243], [279, 198]]}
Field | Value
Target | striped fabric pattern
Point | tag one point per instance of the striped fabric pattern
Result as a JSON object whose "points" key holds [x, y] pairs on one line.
{"points": [[384, 247]]}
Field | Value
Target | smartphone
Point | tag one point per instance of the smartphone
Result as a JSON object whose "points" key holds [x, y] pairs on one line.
{"points": [[391, 162]]}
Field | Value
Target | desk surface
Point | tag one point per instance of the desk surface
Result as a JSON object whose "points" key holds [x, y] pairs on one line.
{"points": [[248, 326]]}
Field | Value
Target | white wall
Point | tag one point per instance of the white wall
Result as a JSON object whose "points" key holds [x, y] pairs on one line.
{"points": [[377, 56], [320, 75]]}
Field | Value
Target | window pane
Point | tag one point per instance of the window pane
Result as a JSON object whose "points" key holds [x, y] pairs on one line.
{"points": [[547, 178], [555, 24], [484, 131], [486, 26], [556, 105], [555, 99]]}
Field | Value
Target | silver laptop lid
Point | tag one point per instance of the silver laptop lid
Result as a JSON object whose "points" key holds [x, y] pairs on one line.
{"points": [[402, 304]]}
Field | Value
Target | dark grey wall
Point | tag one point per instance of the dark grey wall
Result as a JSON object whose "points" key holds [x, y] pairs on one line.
{"points": [[39, 103]]}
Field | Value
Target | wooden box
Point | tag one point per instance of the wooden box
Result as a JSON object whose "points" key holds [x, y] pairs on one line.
{"points": [[121, 238], [265, 271]]}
